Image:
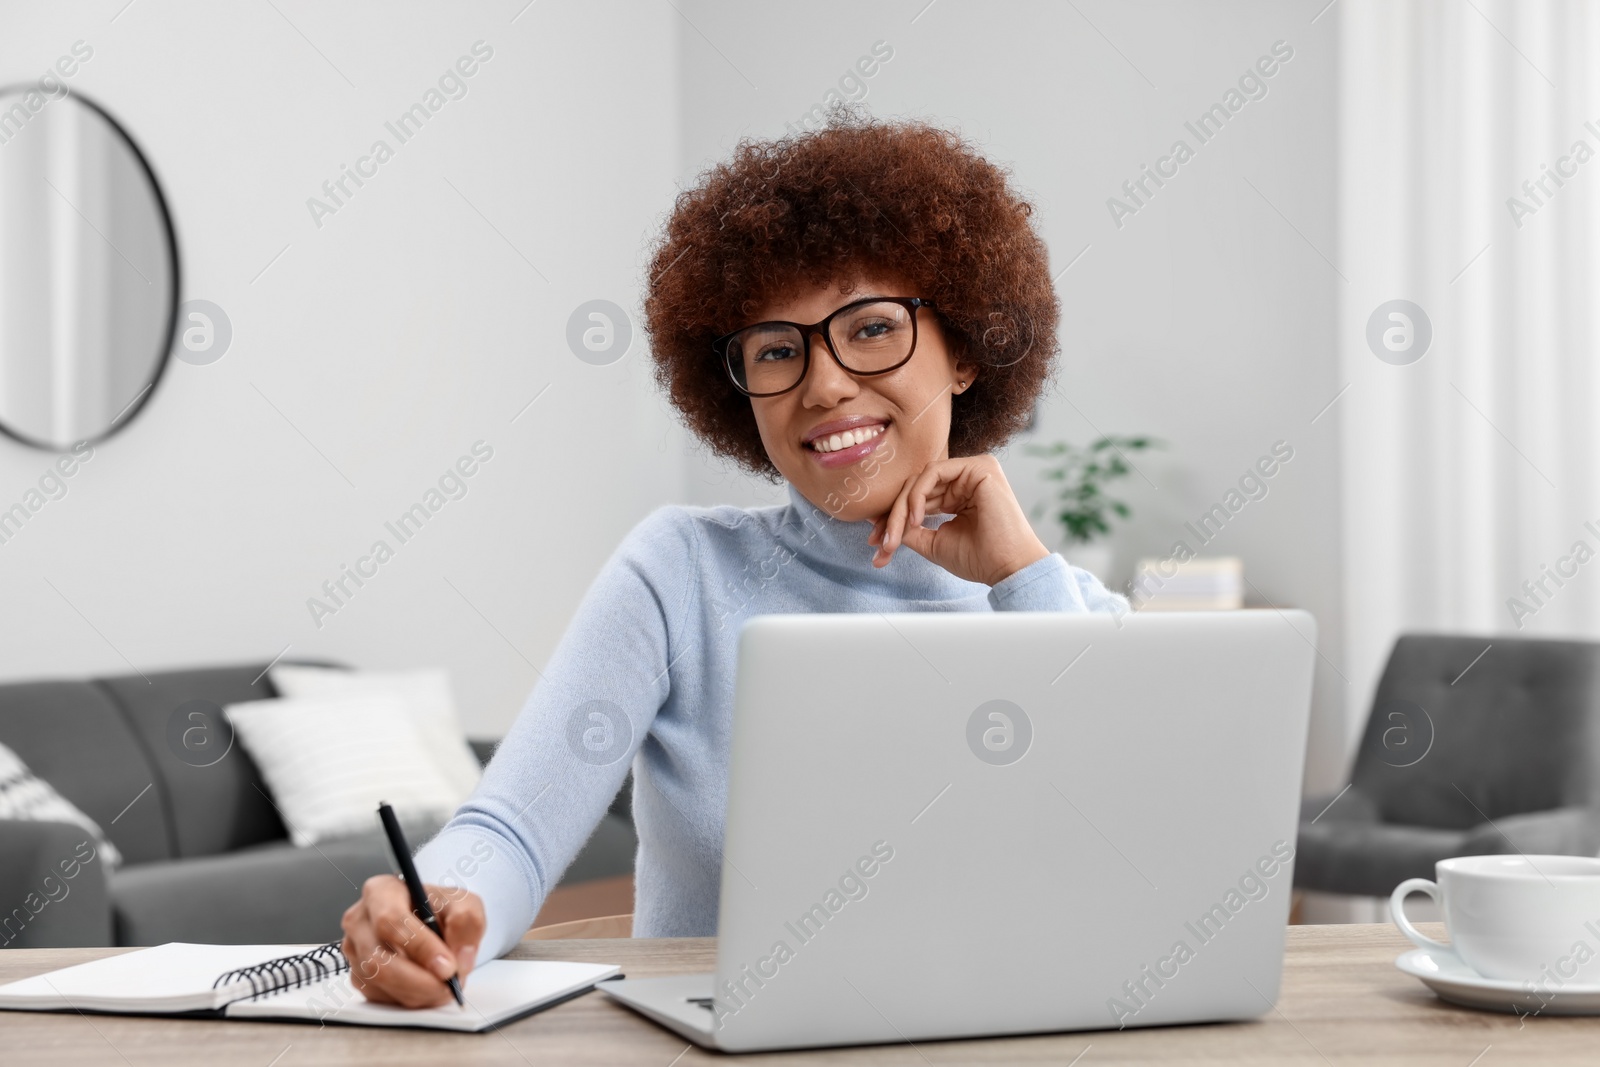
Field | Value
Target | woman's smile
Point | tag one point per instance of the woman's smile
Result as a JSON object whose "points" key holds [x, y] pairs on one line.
{"points": [[846, 441]]}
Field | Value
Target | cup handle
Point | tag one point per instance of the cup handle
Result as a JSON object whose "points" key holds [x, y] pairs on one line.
{"points": [[1397, 911]]}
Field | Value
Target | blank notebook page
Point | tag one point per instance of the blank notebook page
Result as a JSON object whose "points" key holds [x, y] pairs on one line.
{"points": [[494, 992]]}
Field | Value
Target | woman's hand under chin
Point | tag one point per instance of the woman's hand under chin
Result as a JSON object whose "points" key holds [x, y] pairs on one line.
{"points": [[989, 539]]}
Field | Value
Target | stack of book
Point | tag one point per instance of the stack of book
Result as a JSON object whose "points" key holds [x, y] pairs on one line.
{"points": [[1196, 585]]}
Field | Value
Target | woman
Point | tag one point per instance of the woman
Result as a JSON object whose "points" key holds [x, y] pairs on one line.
{"points": [[864, 312]]}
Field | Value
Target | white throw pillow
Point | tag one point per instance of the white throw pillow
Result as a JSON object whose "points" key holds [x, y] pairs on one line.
{"points": [[426, 696], [329, 760], [25, 797]]}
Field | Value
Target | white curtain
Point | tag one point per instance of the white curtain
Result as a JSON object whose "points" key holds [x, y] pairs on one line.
{"points": [[1471, 470]]}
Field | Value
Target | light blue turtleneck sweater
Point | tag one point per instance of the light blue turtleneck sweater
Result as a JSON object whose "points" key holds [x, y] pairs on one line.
{"points": [[644, 677]]}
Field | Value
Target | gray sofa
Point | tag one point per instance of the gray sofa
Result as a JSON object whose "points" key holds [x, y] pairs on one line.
{"points": [[206, 857]]}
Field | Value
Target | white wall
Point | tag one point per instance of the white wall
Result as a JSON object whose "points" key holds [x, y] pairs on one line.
{"points": [[392, 338], [1206, 319], [198, 534]]}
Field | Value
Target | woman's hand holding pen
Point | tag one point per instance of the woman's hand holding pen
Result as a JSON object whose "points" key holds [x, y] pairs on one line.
{"points": [[394, 958]]}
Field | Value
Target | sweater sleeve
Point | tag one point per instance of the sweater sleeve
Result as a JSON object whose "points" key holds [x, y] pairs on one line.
{"points": [[566, 755], [1053, 584]]}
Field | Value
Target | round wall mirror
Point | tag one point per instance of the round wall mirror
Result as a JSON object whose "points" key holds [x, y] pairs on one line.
{"points": [[88, 271]]}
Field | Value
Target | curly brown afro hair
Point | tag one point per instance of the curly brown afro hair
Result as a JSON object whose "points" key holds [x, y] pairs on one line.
{"points": [[899, 199]]}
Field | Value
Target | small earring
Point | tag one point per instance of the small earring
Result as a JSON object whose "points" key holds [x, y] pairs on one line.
{"points": [[962, 384]]}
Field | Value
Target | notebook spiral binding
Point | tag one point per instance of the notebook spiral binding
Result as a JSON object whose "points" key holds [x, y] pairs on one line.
{"points": [[289, 972]]}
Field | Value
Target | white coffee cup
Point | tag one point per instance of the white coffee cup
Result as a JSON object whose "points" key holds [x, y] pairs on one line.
{"points": [[1515, 918]]}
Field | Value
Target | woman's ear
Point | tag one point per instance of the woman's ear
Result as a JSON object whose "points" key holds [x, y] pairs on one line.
{"points": [[966, 374]]}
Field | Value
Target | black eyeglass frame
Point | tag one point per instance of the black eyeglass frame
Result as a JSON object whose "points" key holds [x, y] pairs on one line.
{"points": [[911, 303]]}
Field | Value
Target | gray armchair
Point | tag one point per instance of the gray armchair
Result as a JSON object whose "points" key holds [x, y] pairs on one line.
{"points": [[1504, 758]]}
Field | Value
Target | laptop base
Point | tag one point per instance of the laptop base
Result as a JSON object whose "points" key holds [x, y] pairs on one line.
{"points": [[681, 1003]]}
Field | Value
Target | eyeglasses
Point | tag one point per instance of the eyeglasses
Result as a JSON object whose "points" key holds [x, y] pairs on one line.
{"points": [[871, 336]]}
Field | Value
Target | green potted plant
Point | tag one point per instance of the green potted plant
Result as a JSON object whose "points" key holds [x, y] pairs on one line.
{"points": [[1080, 505]]}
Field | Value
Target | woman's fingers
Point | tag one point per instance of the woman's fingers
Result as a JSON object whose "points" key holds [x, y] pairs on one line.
{"points": [[412, 962], [920, 540], [394, 958], [893, 524], [925, 491], [406, 934], [943, 497], [463, 922], [358, 951], [384, 976], [917, 499], [409, 985]]}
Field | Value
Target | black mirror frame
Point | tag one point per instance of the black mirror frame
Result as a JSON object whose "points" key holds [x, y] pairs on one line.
{"points": [[165, 354]]}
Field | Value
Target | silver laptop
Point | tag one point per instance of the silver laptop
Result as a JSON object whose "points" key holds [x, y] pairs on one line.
{"points": [[958, 825]]}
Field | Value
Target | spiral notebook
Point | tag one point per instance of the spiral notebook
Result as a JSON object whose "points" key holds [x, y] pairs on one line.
{"points": [[262, 982]]}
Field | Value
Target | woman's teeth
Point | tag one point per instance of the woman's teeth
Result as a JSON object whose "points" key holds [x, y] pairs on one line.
{"points": [[847, 439]]}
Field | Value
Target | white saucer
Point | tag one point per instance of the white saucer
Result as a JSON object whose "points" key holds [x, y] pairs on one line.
{"points": [[1454, 981]]}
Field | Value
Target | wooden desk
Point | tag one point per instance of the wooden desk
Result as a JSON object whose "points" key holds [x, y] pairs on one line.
{"points": [[1343, 1002]]}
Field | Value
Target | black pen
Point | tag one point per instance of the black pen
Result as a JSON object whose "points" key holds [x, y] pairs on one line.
{"points": [[408, 873]]}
